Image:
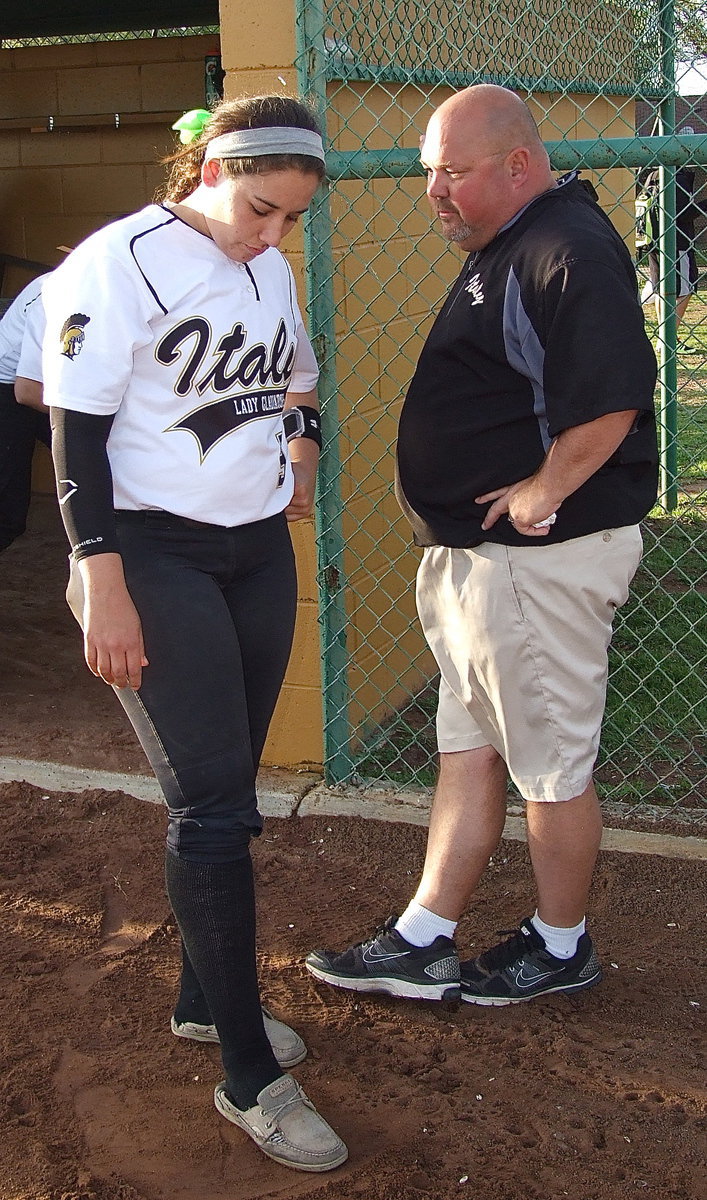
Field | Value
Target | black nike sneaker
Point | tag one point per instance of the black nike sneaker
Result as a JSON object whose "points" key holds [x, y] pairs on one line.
{"points": [[387, 963], [521, 968]]}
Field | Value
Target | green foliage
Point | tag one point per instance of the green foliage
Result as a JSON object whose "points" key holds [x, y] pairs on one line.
{"points": [[690, 36], [691, 30]]}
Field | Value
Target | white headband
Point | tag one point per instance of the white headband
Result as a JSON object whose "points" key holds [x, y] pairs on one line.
{"points": [[252, 143]]}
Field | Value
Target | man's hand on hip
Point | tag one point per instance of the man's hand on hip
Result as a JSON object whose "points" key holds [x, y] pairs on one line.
{"points": [[574, 455], [526, 505]]}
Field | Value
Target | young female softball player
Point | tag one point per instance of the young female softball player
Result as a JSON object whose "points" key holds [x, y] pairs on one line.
{"points": [[186, 436]]}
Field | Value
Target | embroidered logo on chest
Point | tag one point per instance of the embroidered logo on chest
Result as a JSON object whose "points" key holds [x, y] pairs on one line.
{"points": [[475, 289]]}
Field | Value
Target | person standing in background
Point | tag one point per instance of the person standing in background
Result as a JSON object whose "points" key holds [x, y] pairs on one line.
{"points": [[23, 419], [687, 212]]}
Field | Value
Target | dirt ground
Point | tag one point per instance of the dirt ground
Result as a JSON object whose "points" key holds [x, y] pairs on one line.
{"points": [[597, 1097], [51, 707]]}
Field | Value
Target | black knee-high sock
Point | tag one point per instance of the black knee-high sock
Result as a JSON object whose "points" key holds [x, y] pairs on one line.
{"points": [[191, 1004], [214, 904]]}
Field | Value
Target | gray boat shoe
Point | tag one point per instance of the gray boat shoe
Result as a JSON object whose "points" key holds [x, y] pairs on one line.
{"points": [[286, 1126], [287, 1046]]}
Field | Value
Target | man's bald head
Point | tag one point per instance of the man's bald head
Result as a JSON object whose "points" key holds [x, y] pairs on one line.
{"points": [[485, 161], [492, 118]]}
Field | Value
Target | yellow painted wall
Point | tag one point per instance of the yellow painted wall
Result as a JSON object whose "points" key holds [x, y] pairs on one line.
{"points": [[56, 188], [258, 52]]}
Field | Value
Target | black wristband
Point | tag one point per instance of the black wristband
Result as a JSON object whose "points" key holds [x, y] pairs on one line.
{"points": [[303, 421]]}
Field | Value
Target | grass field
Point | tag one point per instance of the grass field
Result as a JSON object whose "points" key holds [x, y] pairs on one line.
{"points": [[653, 747]]}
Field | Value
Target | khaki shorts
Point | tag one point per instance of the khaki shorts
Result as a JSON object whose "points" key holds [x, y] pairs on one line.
{"points": [[521, 638]]}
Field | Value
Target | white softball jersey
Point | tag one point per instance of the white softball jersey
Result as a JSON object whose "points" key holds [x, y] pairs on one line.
{"points": [[193, 354], [13, 330], [29, 364]]}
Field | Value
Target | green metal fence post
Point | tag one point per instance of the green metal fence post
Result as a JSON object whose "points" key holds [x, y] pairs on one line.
{"points": [[319, 269], [667, 272]]}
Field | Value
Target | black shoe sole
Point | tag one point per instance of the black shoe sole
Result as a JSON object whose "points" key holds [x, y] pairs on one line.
{"points": [[501, 1001]]}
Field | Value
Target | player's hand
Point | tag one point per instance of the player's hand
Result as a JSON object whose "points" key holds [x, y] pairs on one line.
{"points": [[113, 642], [305, 459], [525, 504]]}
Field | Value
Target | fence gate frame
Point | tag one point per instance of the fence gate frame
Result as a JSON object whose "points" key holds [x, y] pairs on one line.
{"points": [[318, 67]]}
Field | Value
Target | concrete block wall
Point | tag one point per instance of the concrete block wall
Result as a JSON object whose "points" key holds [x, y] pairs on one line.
{"points": [[258, 52], [57, 187]]}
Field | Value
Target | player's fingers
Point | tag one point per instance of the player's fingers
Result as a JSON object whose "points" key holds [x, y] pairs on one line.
{"points": [[300, 505], [120, 672], [496, 510], [133, 676], [499, 492], [105, 666], [98, 659], [132, 663], [91, 655], [296, 514]]}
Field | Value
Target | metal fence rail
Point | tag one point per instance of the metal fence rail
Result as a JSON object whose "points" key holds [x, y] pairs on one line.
{"points": [[21, 43], [376, 273]]}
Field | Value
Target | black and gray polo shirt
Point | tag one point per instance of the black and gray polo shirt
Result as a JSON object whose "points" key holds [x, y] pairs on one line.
{"points": [[543, 330]]}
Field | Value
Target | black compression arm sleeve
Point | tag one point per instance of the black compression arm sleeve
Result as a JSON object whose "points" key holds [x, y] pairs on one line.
{"points": [[84, 481]]}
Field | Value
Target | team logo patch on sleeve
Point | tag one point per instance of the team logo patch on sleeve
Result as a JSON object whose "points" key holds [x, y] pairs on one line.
{"points": [[72, 334]]}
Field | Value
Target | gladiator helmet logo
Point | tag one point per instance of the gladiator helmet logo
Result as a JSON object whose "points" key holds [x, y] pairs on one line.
{"points": [[72, 334]]}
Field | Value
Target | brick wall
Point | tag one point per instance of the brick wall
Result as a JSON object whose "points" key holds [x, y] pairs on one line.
{"points": [[57, 187]]}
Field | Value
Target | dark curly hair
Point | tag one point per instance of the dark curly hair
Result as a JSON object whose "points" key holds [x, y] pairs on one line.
{"points": [[247, 112]]}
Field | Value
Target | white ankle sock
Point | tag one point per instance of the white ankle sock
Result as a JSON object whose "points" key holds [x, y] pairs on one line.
{"points": [[420, 927], [561, 943]]}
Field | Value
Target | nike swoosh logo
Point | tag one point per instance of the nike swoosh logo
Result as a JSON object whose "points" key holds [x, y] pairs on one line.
{"points": [[523, 980], [370, 957]]}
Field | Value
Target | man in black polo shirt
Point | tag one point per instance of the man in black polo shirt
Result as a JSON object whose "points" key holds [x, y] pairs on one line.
{"points": [[526, 457]]}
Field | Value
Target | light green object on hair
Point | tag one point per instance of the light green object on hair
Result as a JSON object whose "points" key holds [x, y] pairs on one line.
{"points": [[190, 125]]}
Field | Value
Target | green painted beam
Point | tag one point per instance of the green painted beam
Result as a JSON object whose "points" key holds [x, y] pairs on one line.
{"points": [[321, 306], [667, 260], [595, 153]]}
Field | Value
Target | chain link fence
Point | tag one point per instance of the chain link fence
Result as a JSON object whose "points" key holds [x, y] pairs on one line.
{"points": [[595, 75], [120, 36]]}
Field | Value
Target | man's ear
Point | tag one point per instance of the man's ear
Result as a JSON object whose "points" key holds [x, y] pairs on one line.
{"points": [[518, 163], [211, 172]]}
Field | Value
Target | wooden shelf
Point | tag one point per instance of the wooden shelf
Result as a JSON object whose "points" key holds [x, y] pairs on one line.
{"points": [[51, 123]]}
